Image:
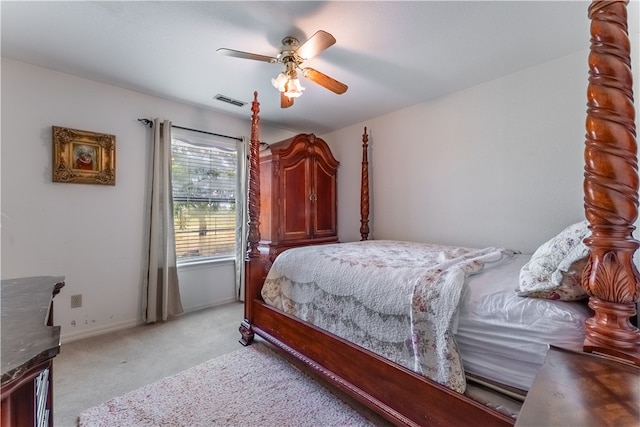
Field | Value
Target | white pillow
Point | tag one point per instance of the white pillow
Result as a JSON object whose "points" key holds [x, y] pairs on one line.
{"points": [[555, 267], [567, 266]]}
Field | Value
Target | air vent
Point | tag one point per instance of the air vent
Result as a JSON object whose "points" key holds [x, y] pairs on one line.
{"points": [[229, 100]]}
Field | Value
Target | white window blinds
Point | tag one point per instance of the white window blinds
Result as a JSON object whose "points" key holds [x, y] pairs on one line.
{"points": [[204, 179]]}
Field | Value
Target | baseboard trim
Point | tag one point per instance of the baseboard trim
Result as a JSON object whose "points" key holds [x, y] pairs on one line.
{"points": [[115, 327], [94, 332], [205, 306]]}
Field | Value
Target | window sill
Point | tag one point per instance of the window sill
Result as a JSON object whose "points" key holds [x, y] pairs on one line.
{"points": [[205, 262]]}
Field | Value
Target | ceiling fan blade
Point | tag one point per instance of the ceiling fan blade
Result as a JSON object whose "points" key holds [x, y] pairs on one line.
{"points": [[285, 101], [325, 81], [315, 44], [246, 55]]}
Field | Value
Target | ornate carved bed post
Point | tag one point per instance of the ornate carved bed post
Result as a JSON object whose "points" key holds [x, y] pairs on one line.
{"points": [[364, 189], [611, 187], [252, 261], [254, 181]]}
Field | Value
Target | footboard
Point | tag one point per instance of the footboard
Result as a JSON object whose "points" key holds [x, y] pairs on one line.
{"points": [[396, 393]]}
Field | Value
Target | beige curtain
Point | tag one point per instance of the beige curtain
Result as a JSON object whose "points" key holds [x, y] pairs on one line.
{"points": [[162, 296]]}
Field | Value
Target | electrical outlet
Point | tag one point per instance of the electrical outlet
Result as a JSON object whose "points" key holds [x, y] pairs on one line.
{"points": [[76, 301]]}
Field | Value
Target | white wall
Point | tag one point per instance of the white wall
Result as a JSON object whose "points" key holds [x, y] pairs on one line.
{"points": [[92, 234], [498, 164]]}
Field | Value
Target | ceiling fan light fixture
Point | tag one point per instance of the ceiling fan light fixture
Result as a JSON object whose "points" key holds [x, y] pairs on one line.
{"points": [[280, 82], [292, 54], [293, 88]]}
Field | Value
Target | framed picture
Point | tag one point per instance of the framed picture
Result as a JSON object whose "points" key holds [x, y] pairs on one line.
{"points": [[83, 157]]}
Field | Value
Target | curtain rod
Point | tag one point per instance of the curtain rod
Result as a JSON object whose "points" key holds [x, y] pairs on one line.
{"points": [[149, 123]]}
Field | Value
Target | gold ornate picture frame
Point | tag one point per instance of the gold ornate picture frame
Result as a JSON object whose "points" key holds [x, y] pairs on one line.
{"points": [[83, 157]]}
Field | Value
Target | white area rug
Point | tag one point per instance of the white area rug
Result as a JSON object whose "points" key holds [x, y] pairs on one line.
{"points": [[252, 386]]}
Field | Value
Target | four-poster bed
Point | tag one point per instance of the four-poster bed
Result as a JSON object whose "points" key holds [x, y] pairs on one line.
{"points": [[610, 278]]}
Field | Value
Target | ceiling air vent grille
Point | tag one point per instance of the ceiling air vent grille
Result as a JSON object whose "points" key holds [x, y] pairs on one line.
{"points": [[229, 100]]}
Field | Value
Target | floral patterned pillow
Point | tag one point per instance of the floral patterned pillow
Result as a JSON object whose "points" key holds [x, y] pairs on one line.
{"points": [[555, 267]]}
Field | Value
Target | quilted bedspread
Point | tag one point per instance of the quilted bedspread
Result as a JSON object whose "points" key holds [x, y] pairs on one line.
{"points": [[397, 299]]}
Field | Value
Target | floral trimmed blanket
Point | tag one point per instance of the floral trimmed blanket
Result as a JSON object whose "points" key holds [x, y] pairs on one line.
{"points": [[433, 306], [397, 299]]}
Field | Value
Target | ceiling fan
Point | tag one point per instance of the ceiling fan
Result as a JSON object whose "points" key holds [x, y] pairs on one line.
{"points": [[292, 55]]}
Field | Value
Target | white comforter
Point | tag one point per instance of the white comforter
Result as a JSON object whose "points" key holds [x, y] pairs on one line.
{"points": [[397, 299]]}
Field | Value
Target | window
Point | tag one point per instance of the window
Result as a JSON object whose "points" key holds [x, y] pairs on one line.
{"points": [[204, 179]]}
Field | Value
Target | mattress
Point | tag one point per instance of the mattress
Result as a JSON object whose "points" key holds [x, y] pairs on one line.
{"points": [[504, 337], [500, 336]]}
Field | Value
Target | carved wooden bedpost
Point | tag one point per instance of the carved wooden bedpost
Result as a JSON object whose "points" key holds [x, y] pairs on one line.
{"points": [[364, 189], [254, 181], [611, 187], [252, 261]]}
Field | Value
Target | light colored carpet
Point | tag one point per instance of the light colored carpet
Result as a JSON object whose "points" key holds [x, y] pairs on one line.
{"points": [[93, 370], [252, 386]]}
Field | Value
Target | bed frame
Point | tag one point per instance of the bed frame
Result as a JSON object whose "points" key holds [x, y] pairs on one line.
{"points": [[611, 278]]}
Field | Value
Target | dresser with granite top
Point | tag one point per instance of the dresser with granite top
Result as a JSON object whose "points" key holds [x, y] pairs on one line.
{"points": [[29, 344]]}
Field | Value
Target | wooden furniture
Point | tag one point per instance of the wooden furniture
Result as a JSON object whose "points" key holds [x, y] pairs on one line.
{"points": [[611, 187], [29, 344], [298, 194], [611, 279], [580, 389]]}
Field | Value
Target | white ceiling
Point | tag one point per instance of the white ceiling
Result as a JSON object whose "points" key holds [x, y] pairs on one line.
{"points": [[391, 54]]}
